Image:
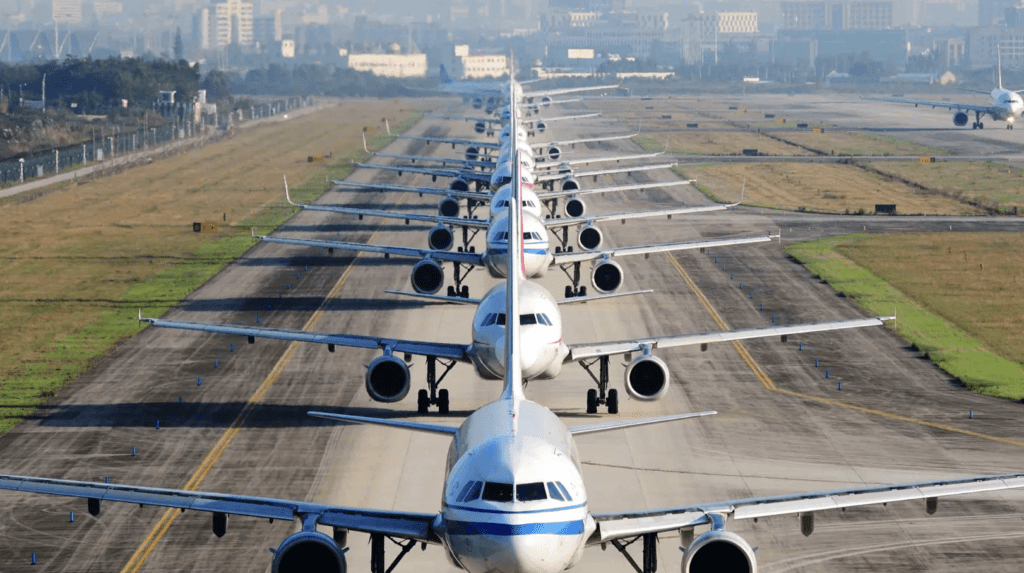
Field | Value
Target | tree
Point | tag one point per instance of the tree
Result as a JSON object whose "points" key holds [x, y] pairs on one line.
{"points": [[217, 85], [179, 46]]}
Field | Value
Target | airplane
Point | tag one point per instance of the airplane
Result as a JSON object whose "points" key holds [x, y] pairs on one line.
{"points": [[1004, 105], [514, 499], [427, 276]]}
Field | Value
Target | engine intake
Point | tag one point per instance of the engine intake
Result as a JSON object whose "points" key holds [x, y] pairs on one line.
{"points": [[472, 153], [478, 103], [570, 184], [480, 127], [574, 206], [308, 552], [719, 552], [541, 126], [960, 118], [647, 378], [427, 277], [459, 185], [590, 238], [387, 379], [546, 101], [606, 277], [448, 207], [440, 238], [554, 152]]}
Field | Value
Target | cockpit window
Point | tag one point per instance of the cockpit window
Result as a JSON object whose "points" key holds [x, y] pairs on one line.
{"points": [[464, 491], [494, 491], [554, 493], [490, 319], [564, 491], [528, 203], [501, 319], [500, 236], [543, 318], [471, 491], [530, 491], [525, 319]]}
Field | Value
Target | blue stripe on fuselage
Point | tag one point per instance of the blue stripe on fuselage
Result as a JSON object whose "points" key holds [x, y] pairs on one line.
{"points": [[528, 251], [509, 529], [508, 512]]}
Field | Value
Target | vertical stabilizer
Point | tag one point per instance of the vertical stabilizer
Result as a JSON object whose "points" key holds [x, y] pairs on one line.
{"points": [[445, 78], [999, 65], [513, 363]]}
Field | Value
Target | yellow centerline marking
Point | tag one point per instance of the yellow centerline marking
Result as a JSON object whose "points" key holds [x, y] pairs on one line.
{"points": [[767, 382], [158, 531]]}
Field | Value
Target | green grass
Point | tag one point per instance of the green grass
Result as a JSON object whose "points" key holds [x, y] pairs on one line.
{"points": [[944, 343], [64, 357]]}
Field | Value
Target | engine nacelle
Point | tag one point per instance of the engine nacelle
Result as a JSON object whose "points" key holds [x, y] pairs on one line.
{"points": [[554, 152], [570, 184], [606, 277], [427, 276], [721, 552], [387, 379], [574, 207], [545, 101], [478, 102], [480, 127], [308, 552], [440, 238], [647, 378], [472, 153], [448, 207], [590, 238], [541, 126], [459, 185], [960, 118]]}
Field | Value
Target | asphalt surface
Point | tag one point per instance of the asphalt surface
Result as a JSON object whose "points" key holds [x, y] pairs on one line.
{"points": [[783, 427]]}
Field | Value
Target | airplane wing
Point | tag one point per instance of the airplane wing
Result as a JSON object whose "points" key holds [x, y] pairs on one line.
{"points": [[531, 120], [929, 103], [606, 159], [584, 140], [582, 351], [452, 173], [542, 177], [460, 300], [563, 91], [447, 256], [453, 141], [459, 352], [395, 523], [630, 524], [612, 189], [475, 195], [475, 223], [573, 221], [581, 256]]}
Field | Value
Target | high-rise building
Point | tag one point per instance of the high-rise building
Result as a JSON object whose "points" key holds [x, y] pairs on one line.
{"points": [[67, 11], [992, 12], [231, 23], [848, 15]]}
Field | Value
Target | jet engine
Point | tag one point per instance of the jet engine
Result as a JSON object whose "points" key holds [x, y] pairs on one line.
{"points": [[960, 118], [459, 184], [308, 552], [440, 238], [554, 152], [719, 551], [606, 276], [427, 276], [647, 378], [478, 102], [574, 206], [480, 127], [472, 153], [545, 101], [590, 238], [448, 207], [541, 126], [387, 379]]}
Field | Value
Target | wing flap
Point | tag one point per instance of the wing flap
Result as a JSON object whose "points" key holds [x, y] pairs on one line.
{"points": [[448, 256], [632, 527], [580, 256]]}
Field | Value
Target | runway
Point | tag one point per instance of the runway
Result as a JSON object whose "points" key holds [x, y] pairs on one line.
{"points": [[782, 428]]}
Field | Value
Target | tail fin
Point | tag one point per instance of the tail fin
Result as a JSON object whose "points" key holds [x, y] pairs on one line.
{"points": [[999, 65], [445, 78], [513, 390]]}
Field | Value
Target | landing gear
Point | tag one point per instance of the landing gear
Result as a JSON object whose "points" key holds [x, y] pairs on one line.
{"points": [[461, 272], [377, 562], [601, 395], [650, 558], [574, 289], [431, 395], [1009, 126], [977, 121]]}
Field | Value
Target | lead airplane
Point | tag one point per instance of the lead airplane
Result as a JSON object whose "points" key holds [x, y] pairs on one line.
{"points": [[514, 499], [1004, 104]]}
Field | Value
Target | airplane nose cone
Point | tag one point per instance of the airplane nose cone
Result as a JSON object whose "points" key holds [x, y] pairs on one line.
{"points": [[520, 554]]}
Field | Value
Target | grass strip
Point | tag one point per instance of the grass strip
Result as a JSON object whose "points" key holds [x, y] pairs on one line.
{"points": [[944, 343]]}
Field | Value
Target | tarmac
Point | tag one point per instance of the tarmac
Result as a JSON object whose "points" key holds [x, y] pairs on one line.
{"points": [[782, 427]]}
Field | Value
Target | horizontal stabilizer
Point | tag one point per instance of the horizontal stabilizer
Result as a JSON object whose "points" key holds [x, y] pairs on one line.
{"points": [[622, 424], [414, 426]]}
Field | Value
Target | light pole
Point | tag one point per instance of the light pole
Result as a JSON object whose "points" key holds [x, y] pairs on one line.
{"points": [[21, 168]]}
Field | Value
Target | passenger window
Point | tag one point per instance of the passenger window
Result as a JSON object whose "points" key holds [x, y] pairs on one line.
{"points": [[554, 493], [474, 492], [530, 491], [564, 491], [494, 491]]}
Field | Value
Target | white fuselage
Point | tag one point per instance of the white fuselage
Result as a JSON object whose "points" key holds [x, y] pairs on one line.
{"points": [[542, 349], [1010, 104], [514, 501], [536, 256]]}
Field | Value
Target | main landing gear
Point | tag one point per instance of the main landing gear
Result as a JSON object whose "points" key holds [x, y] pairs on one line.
{"points": [[432, 396], [377, 561], [574, 289], [461, 290], [601, 395], [650, 558], [977, 121]]}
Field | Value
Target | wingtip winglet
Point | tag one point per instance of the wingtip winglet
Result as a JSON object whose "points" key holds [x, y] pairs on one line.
{"points": [[287, 193]]}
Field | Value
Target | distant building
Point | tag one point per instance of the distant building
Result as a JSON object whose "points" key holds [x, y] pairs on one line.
{"points": [[833, 15], [993, 12], [68, 12], [231, 23], [390, 65], [482, 66], [104, 8], [983, 44], [704, 33], [627, 33], [267, 30], [287, 48]]}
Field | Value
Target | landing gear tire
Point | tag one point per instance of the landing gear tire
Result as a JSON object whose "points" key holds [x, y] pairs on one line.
{"points": [[422, 402], [613, 401], [451, 291], [583, 291], [568, 291], [465, 291], [592, 401], [981, 125], [442, 401]]}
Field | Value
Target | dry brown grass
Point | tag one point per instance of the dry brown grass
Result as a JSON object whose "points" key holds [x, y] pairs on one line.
{"points": [[68, 258], [817, 187], [993, 185], [698, 142], [853, 143]]}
